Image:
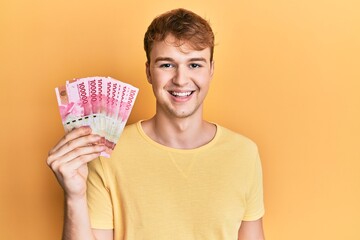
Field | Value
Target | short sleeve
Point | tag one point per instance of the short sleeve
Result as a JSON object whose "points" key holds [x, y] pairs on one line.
{"points": [[254, 199], [98, 196]]}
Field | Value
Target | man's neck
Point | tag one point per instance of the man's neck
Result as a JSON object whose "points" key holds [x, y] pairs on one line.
{"points": [[180, 133]]}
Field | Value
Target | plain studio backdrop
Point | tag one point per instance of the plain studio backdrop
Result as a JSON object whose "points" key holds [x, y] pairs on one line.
{"points": [[286, 75]]}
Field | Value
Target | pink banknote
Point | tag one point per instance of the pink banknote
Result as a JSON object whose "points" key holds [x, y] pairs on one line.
{"points": [[72, 112], [103, 103], [128, 96]]}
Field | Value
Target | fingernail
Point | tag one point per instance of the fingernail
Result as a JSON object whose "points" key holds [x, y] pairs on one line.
{"points": [[100, 139]]}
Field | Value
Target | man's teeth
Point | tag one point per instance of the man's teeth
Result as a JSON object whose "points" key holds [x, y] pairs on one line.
{"points": [[181, 94]]}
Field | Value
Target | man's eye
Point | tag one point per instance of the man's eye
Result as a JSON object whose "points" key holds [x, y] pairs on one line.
{"points": [[195, 65], [166, 65]]}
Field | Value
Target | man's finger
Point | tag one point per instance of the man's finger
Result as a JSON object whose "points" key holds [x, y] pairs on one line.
{"points": [[75, 133], [68, 167], [78, 147]]}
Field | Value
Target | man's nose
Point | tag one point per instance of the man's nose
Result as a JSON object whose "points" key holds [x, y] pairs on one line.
{"points": [[181, 76]]}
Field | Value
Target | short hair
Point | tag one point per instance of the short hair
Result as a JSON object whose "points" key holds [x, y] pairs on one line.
{"points": [[185, 26]]}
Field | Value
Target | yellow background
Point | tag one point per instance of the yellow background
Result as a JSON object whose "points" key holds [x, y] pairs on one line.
{"points": [[287, 75]]}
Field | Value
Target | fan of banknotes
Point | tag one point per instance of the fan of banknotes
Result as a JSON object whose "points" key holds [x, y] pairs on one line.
{"points": [[103, 103]]}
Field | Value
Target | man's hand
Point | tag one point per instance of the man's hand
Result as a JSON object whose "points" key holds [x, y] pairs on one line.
{"points": [[69, 157]]}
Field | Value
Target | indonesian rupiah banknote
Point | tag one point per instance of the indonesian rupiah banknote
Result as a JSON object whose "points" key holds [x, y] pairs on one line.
{"points": [[103, 103]]}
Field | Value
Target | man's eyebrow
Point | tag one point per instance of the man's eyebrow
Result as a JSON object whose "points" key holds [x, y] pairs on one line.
{"points": [[166, 59], [200, 59]]}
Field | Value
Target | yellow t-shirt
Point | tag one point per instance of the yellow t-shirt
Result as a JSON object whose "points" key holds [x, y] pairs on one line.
{"points": [[150, 191]]}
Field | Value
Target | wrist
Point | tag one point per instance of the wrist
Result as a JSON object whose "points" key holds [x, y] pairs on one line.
{"points": [[77, 222], [75, 199]]}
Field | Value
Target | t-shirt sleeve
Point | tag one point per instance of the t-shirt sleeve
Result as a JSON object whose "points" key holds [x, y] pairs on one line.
{"points": [[98, 196], [254, 199]]}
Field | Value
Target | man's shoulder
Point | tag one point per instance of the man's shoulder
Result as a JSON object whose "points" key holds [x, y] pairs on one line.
{"points": [[130, 130], [230, 136], [129, 139], [131, 126]]}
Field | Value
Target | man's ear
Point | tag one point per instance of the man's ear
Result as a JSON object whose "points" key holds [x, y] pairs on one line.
{"points": [[148, 74], [212, 68]]}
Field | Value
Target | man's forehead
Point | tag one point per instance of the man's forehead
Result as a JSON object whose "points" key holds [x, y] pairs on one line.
{"points": [[171, 45]]}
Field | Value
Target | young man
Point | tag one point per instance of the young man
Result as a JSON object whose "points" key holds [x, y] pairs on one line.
{"points": [[174, 176]]}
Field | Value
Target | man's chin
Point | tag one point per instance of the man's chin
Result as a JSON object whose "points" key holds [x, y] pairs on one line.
{"points": [[181, 114]]}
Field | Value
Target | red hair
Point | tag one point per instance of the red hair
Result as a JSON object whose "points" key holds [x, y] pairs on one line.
{"points": [[185, 26]]}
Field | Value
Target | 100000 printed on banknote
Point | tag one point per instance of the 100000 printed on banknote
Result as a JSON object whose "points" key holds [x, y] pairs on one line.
{"points": [[103, 103]]}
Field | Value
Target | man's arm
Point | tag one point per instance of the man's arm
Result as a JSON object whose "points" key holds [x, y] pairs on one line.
{"points": [[251, 230], [76, 220], [68, 160], [77, 224]]}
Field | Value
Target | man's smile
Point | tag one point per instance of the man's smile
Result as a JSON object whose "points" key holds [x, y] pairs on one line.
{"points": [[181, 94]]}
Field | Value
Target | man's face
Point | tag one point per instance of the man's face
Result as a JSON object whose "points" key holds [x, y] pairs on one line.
{"points": [[180, 77]]}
